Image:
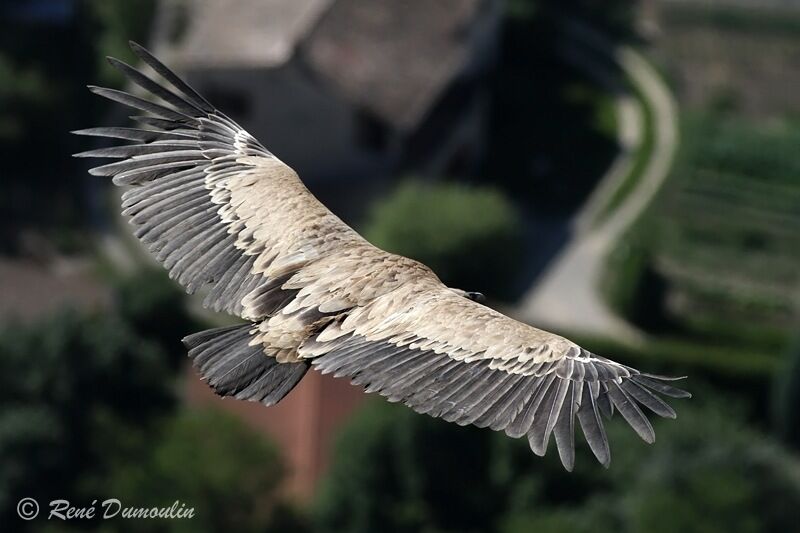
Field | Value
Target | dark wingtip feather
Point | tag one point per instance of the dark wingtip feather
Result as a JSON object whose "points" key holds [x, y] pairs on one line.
{"points": [[631, 412], [564, 430], [655, 384], [193, 96], [662, 378], [593, 429]]}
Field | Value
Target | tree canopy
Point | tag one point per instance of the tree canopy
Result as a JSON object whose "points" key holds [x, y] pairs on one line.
{"points": [[397, 471], [469, 236]]}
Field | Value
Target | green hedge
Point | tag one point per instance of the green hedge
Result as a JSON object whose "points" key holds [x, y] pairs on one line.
{"points": [[471, 237]]}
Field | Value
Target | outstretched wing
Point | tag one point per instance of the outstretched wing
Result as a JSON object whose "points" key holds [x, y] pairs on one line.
{"points": [[216, 207], [209, 201], [450, 357]]}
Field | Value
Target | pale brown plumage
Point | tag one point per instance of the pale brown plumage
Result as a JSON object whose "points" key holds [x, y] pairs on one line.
{"points": [[219, 210]]}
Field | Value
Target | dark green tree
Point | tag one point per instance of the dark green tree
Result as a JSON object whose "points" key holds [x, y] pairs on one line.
{"points": [[397, 471], [208, 461], [59, 379], [155, 307], [88, 412], [47, 56], [469, 236], [786, 401]]}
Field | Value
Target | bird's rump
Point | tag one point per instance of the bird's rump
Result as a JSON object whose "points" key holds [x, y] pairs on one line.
{"points": [[219, 210]]}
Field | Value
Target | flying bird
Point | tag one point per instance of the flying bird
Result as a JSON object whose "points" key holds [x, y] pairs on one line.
{"points": [[221, 212]]}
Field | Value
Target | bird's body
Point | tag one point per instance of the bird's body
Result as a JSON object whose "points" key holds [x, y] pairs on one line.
{"points": [[219, 210]]}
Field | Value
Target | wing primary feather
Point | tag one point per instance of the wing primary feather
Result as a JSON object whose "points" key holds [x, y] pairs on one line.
{"points": [[604, 402], [538, 436], [506, 407], [661, 388], [592, 427], [402, 387], [125, 134], [523, 421], [648, 399], [563, 389], [192, 95], [184, 105], [564, 429], [451, 406], [431, 388], [132, 150], [140, 103], [479, 404], [383, 373], [631, 413], [169, 126]]}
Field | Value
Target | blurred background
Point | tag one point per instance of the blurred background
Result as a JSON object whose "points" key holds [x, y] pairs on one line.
{"points": [[625, 173]]}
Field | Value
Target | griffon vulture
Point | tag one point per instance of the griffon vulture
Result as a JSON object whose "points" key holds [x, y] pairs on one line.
{"points": [[219, 210]]}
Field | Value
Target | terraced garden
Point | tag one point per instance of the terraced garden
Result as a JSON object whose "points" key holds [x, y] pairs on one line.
{"points": [[714, 261], [728, 228]]}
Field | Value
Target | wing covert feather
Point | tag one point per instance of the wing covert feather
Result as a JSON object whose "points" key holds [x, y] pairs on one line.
{"points": [[208, 200], [449, 357]]}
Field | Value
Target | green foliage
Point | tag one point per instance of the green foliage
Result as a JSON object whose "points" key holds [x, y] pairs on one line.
{"points": [[396, 471], [209, 461], [725, 225], [544, 111], [786, 401], [58, 378], [712, 265], [521, 9], [155, 307], [120, 21], [469, 236], [633, 287], [44, 68], [734, 481], [87, 412], [19, 88]]}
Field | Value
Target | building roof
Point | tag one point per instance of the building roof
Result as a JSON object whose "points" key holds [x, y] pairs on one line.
{"points": [[393, 58], [239, 33]]}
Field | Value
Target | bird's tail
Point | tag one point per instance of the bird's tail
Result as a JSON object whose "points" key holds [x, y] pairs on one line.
{"points": [[232, 367]]}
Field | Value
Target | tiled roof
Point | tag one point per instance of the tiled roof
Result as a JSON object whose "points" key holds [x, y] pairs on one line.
{"points": [[393, 57]]}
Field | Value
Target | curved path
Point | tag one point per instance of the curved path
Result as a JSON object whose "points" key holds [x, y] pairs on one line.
{"points": [[566, 296]]}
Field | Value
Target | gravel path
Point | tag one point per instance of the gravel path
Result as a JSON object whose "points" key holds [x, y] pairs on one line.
{"points": [[566, 296]]}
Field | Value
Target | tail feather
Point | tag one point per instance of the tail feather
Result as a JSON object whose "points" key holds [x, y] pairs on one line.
{"points": [[232, 367]]}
